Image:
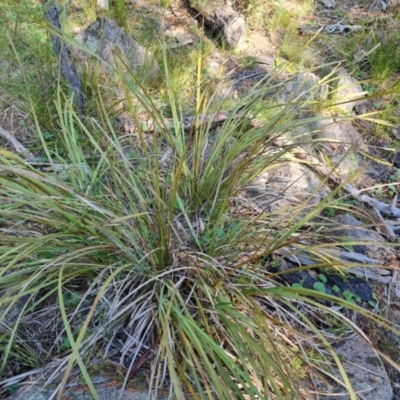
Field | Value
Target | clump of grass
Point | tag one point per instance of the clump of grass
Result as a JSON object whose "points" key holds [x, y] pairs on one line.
{"points": [[366, 52], [383, 67], [281, 20], [365, 55], [158, 256], [275, 15], [33, 62], [296, 49], [149, 252], [119, 13]]}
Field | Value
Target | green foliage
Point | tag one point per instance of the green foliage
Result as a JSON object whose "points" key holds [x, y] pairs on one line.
{"points": [[66, 344], [118, 227], [320, 287], [378, 191], [351, 297], [119, 13], [297, 286], [322, 278], [340, 205], [384, 42], [274, 14], [330, 212], [336, 325], [395, 177], [132, 254], [336, 289], [365, 54]]}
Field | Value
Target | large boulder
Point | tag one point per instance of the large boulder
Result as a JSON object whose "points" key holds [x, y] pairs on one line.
{"points": [[338, 134], [108, 41]]}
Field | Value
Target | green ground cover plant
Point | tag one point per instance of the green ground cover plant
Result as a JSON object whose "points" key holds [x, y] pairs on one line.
{"points": [[119, 245]]}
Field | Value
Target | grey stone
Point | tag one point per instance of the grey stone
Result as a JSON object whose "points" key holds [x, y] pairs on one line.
{"points": [[301, 135], [105, 391], [347, 92], [303, 86], [347, 164], [365, 371], [103, 4], [219, 64], [290, 182], [107, 40], [338, 134], [391, 347], [328, 3]]}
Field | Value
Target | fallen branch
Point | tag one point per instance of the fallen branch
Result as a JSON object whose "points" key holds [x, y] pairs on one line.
{"points": [[378, 5], [377, 206], [59, 169], [373, 273], [18, 146], [333, 28], [67, 66], [304, 258], [188, 123], [223, 21]]}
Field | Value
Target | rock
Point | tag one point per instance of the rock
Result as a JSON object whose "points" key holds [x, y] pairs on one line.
{"points": [[396, 132], [347, 92], [339, 134], [219, 65], [179, 38], [381, 173], [303, 86], [328, 3], [107, 40], [103, 4], [306, 278], [365, 371], [290, 182], [107, 390], [301, 135], [243, 81], [255, 43], [391, 346], [347, 164]]}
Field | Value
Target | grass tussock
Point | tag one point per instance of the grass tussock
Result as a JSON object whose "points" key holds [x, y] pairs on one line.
{"points": [[143, 248]]}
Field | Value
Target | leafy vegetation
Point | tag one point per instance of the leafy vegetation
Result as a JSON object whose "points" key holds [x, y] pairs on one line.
{"points": [[122, 245]]}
